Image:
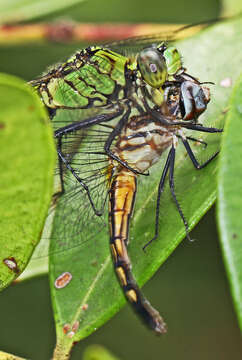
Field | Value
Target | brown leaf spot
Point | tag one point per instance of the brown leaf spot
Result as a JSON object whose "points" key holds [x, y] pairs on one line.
{"points": [[63, 280], [11, 263]]}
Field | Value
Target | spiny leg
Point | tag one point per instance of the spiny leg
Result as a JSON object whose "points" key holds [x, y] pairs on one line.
{"points": [[169, 165], [194, 139], [172, 187], [160, 191], [196, 164], [200, 127], [57, 194]]}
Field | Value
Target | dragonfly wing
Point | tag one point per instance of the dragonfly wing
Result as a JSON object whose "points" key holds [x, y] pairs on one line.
{"points": [[75, 221], [131, 46]]}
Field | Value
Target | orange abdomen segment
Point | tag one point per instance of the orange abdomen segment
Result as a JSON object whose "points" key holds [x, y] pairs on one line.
{"points": [[121, 204]]}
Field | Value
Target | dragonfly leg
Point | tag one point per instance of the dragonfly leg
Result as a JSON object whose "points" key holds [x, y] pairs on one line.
{"points": [[52, 112], [196, 164], [121, 203], [172, 187], [87, 123], [199, 127], [62, 158], [194, 139], [160, 191], [60, 166]]}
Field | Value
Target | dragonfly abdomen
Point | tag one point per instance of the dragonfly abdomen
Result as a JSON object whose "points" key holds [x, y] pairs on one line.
{"points": [[121, 204]]}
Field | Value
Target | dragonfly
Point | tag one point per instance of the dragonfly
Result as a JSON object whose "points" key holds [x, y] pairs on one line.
{"points": [[115, 114]]}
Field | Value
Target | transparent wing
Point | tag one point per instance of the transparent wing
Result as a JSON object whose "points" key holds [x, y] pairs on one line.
{"points": [[131, 46], [74, 220]]}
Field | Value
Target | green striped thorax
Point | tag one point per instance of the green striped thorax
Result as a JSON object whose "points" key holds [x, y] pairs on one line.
{"points": [[96, 77]]}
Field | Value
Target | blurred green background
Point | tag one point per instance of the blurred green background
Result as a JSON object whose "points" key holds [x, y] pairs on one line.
{"points": [[190, 289]]}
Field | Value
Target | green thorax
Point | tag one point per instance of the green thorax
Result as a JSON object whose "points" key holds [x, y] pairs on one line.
{"points": [[91, 77], [96, 77]]}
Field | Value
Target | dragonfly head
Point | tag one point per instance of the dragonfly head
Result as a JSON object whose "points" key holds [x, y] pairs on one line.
{"points": [[193, 99]]}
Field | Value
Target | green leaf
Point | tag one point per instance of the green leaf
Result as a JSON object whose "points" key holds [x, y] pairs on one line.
{"points": [[26, 183], [21, 10], [93, 295], [97, 352], [229, 197], [231, 7]]}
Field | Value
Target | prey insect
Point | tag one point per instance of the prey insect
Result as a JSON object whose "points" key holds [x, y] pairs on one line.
{"points": [[114, 116]]}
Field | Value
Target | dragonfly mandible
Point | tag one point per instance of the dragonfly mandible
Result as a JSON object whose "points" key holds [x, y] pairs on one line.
{"points": [[114, 116]]}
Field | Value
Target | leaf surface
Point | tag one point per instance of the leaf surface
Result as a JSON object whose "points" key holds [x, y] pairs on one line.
{"points": [[21, 10], [229, 197], [94, 295], [27, 163], [231, 7]]}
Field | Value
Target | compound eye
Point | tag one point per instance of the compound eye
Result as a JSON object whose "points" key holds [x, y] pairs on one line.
{"points": [[152, 67]]}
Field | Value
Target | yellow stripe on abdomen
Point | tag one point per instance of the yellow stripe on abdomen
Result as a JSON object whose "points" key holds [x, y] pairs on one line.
{"points": [[121, 204]]}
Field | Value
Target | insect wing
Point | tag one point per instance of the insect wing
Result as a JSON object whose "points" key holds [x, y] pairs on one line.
{"points": [[132, 45], [75, 220]]}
